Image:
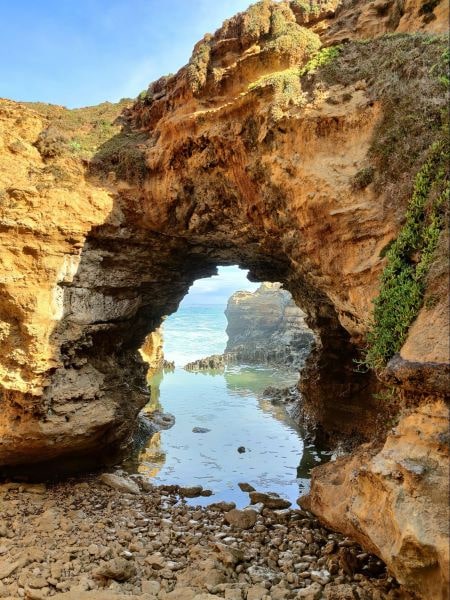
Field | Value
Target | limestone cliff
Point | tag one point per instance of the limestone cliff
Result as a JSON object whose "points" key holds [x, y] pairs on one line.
{"points": [[266, 326], [289, 145], [152, 350]]}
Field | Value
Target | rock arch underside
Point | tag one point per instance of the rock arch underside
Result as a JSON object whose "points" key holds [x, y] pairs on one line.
{"points": [[288, 145]]}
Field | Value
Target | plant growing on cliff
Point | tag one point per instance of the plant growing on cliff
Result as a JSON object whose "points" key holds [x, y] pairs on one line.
{"points": [[409, 258], [286, 87]]}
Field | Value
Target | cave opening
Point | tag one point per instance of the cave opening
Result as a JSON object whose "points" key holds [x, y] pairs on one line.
{"points": [[225, 405]]}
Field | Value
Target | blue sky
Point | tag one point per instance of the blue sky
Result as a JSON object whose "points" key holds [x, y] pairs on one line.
{"points": [[217, 289], [82, 52]]}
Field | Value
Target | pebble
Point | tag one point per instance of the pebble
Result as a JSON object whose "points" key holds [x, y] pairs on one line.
{"points": [[241, 519], [95, 539]]}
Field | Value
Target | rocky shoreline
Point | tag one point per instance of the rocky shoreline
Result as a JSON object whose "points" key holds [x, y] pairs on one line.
{"points": [[114, 537]]}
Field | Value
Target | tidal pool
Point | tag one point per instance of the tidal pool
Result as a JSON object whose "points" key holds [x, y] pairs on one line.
{"points": [[230, 406]]}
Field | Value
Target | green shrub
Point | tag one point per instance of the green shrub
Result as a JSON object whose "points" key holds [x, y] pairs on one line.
{"points": [[323, 57], [363, 178], [287, 90], [409, 258]]}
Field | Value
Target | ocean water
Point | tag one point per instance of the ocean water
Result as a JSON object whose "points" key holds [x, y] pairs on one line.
{"points": [[231, 406], [194, 332]]}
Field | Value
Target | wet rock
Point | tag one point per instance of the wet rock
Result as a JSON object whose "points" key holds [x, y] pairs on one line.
{"points": [[200, 430], [242, 519], [119, 483], [270, 500], [193, 491], [241, 449], [222, 506], [161, 420], [246, 487]]}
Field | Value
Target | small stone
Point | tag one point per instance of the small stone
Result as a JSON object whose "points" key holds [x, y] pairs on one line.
{"points": [[242, 519], [200, 430], [246, 487], [118, 569], [270, 500], [191, 492], [241, 449], [93, 549], [156, 561], [322, 577], [229, 555], [151, 587], [312, 592], [222, 506], [256, 592], [122, 484]]}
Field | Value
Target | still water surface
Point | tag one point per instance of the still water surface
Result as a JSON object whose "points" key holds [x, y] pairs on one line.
{"points": [[229, 404]]}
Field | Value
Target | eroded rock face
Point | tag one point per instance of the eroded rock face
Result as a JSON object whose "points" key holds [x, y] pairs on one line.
{"points": [[237, 159], [395, 500], [266, 326]]}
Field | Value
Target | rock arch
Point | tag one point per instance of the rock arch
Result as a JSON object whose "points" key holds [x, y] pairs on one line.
{"points": [[245, 156], [253, 154]]}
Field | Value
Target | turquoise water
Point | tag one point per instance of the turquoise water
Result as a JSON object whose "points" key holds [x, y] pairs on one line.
{"points": [[194, 332], [231, 406]]}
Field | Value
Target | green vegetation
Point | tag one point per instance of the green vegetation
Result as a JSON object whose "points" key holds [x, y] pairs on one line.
{"points": [[322, 57], [307, 7], [286, 84], [123, 154], [363, 178], [287, 90], [409, 258], [406, 74], [256, 21], [80, 130]]}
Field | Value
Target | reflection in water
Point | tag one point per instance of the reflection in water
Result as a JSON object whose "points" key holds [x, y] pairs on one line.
{"points": [[229, 405]]}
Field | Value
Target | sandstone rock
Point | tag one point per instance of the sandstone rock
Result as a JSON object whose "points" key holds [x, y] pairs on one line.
{"points": [[266, 326], [191, 492], [246, 487], [122, 484], [257, 592], [156, 561], [270, 500], [229, 555], [215, 168], [312, 592], [118, 569], [410, 546], [222, 506], [242, 519], [151, 587]]}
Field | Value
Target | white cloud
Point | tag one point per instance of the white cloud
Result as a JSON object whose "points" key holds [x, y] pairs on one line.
{"points": [[218, 288]]}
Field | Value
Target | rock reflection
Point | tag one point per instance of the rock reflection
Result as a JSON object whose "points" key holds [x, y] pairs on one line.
{"points": [[231, 409]]}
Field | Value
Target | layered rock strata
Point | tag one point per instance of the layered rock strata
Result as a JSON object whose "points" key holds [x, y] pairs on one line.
{"points": [[271, 149], [266, 326]]}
